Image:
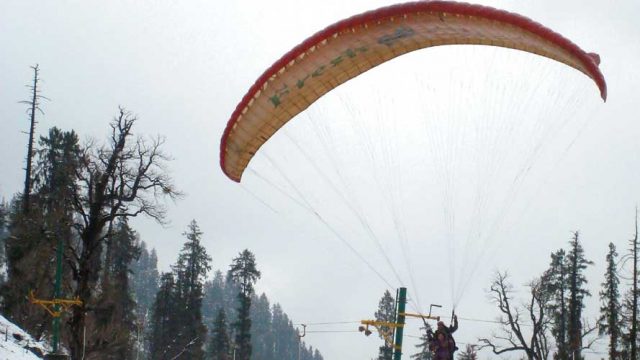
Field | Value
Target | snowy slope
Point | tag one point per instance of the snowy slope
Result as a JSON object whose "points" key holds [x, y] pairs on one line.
{"points": [[15, 344]]}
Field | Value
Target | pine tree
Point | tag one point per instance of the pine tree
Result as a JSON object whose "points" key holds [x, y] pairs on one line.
{"points": [[36, 235], [273, 336], [191, 270], [469, 353], [23, 276], [610, 321], [306, 353], [261, 329], [58, 158], [214, 299], [220, 343], [244, 271], [164, 321], [145, 278], [317, 355], [114, 313], [231, 299], [577, 281], [554, 285], [424, 352], [286, 339], [386, 313]]}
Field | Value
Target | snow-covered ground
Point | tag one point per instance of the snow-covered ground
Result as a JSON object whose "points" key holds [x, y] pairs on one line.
{"points": [[15, 344]]}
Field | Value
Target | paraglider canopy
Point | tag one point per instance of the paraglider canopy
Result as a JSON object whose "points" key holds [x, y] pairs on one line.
{"points": [[352, 46]]}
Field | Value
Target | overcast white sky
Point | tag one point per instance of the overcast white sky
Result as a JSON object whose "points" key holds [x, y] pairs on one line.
{"points": [[182, 66]]}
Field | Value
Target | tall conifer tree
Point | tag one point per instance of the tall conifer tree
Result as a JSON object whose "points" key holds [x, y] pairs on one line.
{"points": [[610, 321], [244, 271], [115, 307], [36, 235], [191, 271], [220, 343], [164, 328], [424, 351], [554, 285], [145, 278], [261, 329], [386, 313], [286, 339], [214, 299], [576, 266]]}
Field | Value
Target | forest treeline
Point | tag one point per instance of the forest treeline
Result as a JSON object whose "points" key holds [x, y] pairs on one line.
{"points": [[68, 235], [133, 310]]}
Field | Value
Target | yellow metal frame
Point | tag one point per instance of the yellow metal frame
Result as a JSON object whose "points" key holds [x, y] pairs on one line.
{"points": [[50, 305], [388, 334], [423, 317]]}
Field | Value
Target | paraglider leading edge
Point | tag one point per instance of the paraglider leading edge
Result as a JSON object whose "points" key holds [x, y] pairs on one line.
{"points": [[585, 62]]}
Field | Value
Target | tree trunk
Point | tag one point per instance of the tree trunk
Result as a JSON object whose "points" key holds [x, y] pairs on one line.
{"points": [[633, 334], [32, 112], [88, 268]]}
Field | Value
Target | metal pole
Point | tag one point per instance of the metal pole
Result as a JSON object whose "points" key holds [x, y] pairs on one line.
{"points": [[304, 326], [402, 300], [57, 295]]}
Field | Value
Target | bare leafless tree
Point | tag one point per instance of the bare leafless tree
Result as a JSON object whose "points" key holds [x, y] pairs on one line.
{"points": [[33, 106], [512, 337], [124, 178]]}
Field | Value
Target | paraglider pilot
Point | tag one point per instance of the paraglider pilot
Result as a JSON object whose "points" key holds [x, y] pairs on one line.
{"points": [[442, 343]]}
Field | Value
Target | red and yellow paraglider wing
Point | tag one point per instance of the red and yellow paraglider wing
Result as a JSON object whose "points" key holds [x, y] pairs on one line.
{"points": [[355, 45]]}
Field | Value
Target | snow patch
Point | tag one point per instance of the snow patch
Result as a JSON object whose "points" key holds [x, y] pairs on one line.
{"points": [[16, 344]]}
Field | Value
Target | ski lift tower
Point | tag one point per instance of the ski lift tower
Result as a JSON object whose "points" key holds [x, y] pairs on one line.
{"points": [[56, 305], [392, 332]]}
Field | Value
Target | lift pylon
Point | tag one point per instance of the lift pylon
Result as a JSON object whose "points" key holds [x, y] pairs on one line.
{"points": [[392, 332]]}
